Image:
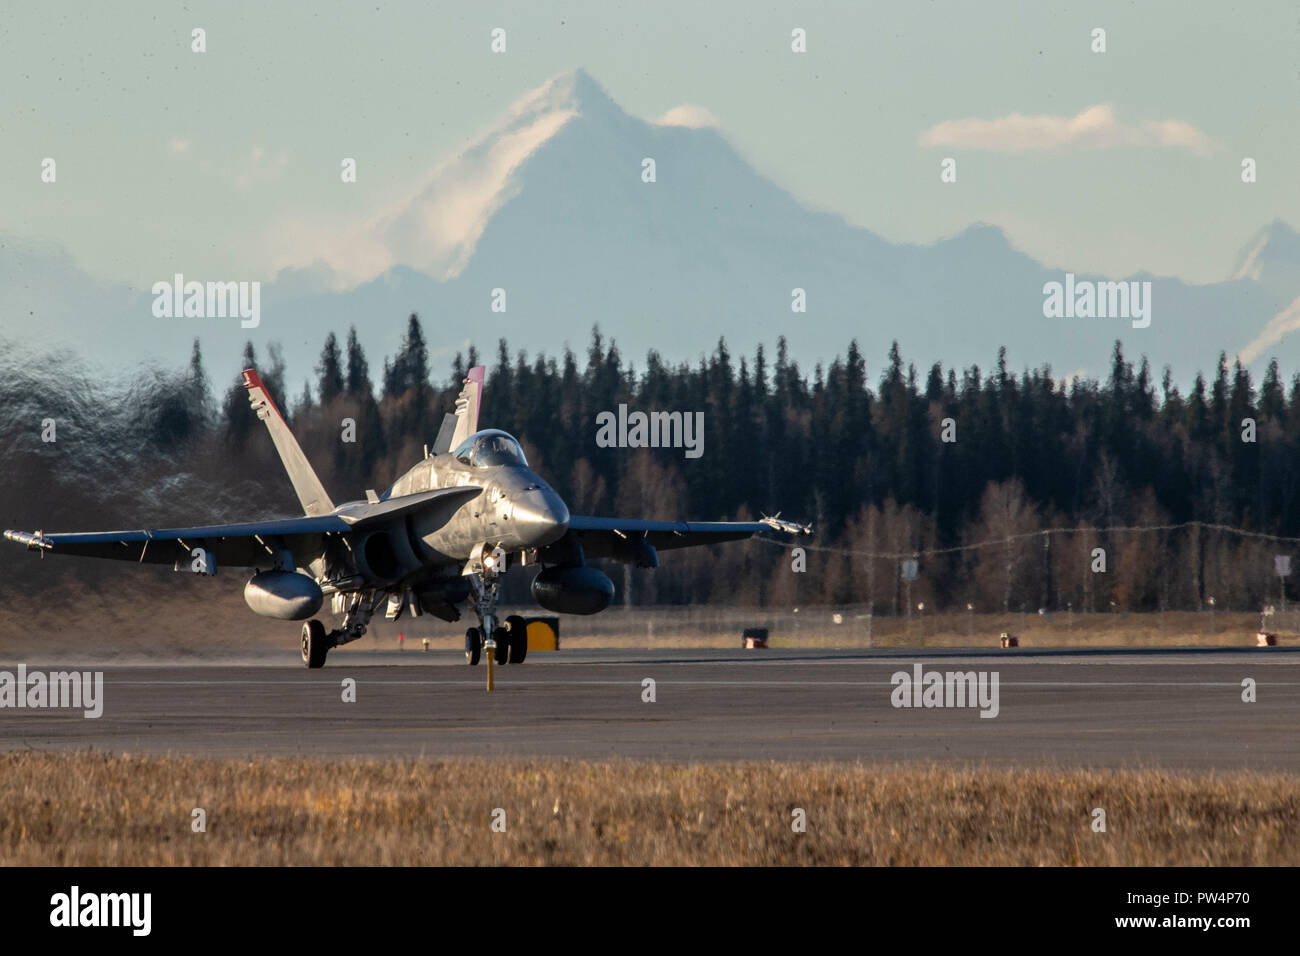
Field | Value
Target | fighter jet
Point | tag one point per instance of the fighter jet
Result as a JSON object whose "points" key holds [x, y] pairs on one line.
{"points": [[441, 537]]}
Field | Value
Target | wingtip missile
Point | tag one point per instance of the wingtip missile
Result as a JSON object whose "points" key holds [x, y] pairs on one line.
{"points": [[777, 523], [34, 542]]}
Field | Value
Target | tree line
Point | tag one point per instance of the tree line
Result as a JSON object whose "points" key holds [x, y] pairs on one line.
{"points": [[962, 468]]}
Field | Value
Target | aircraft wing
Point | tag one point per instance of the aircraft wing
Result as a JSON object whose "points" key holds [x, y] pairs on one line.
{"points": [[246, 545], [232, 545], [619, 538]]}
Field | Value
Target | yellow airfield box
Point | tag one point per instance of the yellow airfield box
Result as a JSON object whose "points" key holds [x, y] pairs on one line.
{"points": [[543, 633]]}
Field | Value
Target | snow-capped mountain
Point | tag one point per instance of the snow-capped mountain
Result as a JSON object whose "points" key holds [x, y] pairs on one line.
{"points": [[1272, 259], [551, 206]]}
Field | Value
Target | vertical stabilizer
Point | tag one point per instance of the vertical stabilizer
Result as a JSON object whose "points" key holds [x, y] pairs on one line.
{"points": [[310, 491], [442, 444], [467, 406]]}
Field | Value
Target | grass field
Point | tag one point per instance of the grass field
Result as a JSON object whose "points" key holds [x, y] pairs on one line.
{"points": [[89, 809], [850, 627], [190, 619]]}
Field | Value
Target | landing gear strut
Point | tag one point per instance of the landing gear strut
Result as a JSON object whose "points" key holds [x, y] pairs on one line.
{"points": [[506, 644], [482, 638]]}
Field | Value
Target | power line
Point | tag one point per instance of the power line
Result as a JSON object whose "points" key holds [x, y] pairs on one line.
{"points": [[1003, 542]]}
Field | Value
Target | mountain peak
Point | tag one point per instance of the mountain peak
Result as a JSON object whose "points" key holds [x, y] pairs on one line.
{"points": [[582, 86], [576, 91], [1277, 244]]}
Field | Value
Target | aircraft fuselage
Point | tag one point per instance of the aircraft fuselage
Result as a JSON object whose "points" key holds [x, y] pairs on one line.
{"points": [[516, 510]]}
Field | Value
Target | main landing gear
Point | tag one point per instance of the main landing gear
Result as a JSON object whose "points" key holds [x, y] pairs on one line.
{"points": [[316, 643], [508, 641]]}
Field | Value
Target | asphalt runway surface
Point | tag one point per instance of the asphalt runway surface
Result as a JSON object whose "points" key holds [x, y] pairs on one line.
{"points": [[1176, 709]]}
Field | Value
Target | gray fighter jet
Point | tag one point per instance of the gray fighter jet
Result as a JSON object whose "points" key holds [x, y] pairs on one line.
{"points": [[441, 536]]}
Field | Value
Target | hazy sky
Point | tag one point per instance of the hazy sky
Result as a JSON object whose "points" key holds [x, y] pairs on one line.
{"points": [[202, 162]]}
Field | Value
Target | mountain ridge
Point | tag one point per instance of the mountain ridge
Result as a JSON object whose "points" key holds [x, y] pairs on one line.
{"points": [[548, 203]]}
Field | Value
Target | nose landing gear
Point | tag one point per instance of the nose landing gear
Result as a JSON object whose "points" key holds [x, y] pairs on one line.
{"points": [[506, 644]]}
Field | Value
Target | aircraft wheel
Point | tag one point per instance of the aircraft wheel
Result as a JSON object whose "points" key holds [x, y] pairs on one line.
{"points": [[518, 638], [502, 637], [314, 644], [473, 645]]}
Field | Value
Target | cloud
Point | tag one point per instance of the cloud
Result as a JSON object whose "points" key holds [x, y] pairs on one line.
{"points": [[246, 170], [1095, 128], [257, 167], [688, 115]]}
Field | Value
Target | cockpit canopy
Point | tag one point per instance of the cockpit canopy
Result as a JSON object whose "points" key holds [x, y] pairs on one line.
{"points": [[490, 447]]}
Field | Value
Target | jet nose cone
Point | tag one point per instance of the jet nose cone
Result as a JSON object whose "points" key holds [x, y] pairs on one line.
{"points": [[541, 517]]}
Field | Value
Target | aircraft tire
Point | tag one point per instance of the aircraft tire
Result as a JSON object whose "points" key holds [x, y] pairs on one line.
{"points": [[473, 646], [503, 641], [314, 644], [518, 638]]}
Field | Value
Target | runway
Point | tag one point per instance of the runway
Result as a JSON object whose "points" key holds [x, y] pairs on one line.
{"points": [[1177, 709]]}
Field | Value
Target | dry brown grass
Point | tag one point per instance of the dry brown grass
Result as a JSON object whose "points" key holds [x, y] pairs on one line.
{"points": [[89, 809], [189, 619], [851, 627]]}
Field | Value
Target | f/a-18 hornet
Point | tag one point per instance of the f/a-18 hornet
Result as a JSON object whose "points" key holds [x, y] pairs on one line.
{"points": [[441, 536]]}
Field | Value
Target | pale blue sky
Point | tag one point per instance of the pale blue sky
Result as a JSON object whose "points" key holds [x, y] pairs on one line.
{"points": [[173, 160]]}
